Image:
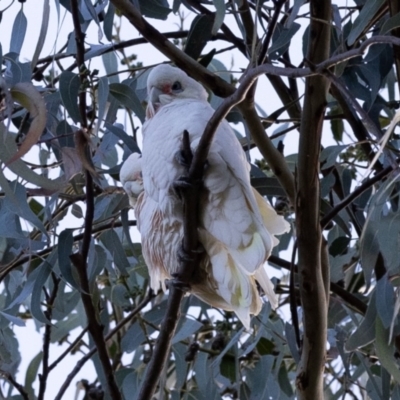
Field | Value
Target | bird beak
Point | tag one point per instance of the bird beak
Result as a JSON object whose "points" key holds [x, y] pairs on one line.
{"points": [[153, 101]]}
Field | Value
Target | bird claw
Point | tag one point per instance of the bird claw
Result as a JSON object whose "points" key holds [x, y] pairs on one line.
{"points": [[199, 249], [177, 282], [184, 256], [183, 158], [181, 184]]}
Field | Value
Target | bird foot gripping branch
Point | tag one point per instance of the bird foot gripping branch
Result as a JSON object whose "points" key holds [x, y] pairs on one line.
{"points": [[190, 251], [183, 183], [186, 182]]}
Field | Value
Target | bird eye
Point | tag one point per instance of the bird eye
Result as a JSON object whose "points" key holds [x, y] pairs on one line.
{"points": [[176, 86]]}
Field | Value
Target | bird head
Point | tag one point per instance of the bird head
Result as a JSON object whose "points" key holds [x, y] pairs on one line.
{"points": [[131, 177], [166, 84]]}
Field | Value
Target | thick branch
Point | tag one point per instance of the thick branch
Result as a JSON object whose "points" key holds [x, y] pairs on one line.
{"points": [[188, 264], [182, 60], [312, 277], [163, 344]]}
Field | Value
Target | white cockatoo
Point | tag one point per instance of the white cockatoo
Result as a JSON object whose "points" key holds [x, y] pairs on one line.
{"points": [[236, 224]]}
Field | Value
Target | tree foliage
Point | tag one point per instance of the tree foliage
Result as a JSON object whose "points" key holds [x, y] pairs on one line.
{"points": [[68, 257]]}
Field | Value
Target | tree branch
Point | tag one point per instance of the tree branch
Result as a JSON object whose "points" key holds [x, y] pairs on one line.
{"points": [[80, 259], [42, 253], [123, 45], [273, 157], [46, 340], [17, 385], [94, 325], [313, 273], [250, 31], [353, 301], [163, 344], [224, 28], [394, 8], [219, 86], [271, 28], [93, 350], [353, 195], [357, 126], [246, 106], [68, 349]]}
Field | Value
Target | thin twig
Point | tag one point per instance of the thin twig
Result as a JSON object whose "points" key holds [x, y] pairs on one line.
{"points": [[353, 195], [48, 250], [357, 126], [93, 350], [43, 377], [68, 349], [249, 28], [124, 44], [353, 301], [17, 385], [271, 29], [229, 35], [293, 297]]}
